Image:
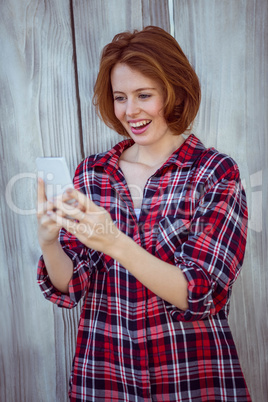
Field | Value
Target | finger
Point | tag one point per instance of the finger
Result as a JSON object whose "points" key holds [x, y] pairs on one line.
{"points": [[61, 221], [43, 209], [64, 208], [47, 221], [85, 202], [41, 198], [69, 200], [41, 192]]}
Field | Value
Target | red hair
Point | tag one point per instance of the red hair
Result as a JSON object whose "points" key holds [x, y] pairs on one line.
{"points": [[157, 55]]}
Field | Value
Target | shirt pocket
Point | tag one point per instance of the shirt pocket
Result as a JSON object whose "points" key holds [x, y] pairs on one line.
{"points": [[172, 233]]}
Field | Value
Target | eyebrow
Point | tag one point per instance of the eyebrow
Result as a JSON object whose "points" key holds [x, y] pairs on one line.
{"points": [[137, 90]]}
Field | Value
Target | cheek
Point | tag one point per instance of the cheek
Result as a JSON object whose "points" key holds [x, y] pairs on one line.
{"points": [[158, 108], [118, 111]]}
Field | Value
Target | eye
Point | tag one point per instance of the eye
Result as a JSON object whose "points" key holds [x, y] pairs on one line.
{"points": [[119, 98], [144, 96]]}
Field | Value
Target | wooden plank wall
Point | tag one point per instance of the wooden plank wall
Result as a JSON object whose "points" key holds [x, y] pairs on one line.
{"points": [[49, 61]]}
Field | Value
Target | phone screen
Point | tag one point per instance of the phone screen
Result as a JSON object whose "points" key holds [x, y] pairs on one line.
{"points": [[55, 173]]}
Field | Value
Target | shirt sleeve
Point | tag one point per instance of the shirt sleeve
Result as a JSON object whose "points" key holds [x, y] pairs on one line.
{"points": [[212, 254], [79, 282], [79, 254]]}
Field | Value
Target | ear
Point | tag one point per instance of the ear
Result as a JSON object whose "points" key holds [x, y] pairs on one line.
{"points": [[179, 100], [180, 95]]}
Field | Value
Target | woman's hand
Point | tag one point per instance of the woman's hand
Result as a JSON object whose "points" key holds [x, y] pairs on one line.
{"points": [[94, 227], [48, 229], [59, 266], [91, 224]]}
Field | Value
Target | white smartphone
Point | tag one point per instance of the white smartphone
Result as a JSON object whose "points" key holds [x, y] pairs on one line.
{"points": [[55, 173]]}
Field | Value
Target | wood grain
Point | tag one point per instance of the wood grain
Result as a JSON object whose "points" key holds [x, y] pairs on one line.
{"points": [[227, 45], [38, 116]]}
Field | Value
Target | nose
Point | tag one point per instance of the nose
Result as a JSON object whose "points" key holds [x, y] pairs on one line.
{"points": [[132, 107]]}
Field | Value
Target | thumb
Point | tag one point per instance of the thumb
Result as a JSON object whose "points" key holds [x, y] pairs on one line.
{"points": [[41, 192]]}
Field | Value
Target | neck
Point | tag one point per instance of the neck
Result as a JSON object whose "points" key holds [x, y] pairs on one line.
{"points": [[155, 154]]}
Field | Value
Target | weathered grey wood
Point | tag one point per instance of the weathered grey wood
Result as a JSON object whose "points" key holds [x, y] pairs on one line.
{"points": [[156, 12], [38, 116], [226, 42], [217, 37], [106, 19], [110, 17]]}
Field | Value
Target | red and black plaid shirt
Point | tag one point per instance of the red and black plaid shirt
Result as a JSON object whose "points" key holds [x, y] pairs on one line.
{"points": [[132, 345]]}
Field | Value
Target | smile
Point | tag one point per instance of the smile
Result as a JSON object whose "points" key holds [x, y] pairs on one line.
{"points": [[140, 124], [139, 127]]}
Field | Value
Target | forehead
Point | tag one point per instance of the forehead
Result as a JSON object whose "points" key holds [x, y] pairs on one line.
{"points": [[125, 78]]}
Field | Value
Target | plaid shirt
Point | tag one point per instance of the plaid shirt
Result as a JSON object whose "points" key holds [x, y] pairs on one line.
{"points": [[132, 345]]}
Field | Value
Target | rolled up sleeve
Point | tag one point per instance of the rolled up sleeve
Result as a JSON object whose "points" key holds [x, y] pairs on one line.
{"points": [[78, 284], [212, 255]]}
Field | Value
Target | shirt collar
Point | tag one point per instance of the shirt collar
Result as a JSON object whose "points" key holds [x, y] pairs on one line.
{"points": [[187, 153], [183, 157], [110, 159]]}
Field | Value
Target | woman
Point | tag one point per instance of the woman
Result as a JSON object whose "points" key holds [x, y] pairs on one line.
{"points": [[157, 241]]}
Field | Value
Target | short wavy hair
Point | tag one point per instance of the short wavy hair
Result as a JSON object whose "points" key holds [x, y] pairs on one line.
{"points": [[157, 55]]}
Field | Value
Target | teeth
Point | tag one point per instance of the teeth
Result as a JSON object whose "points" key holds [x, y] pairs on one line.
{"points": [[140, 123]]}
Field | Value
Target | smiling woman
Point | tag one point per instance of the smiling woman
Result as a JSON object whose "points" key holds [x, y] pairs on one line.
{"points": [[140, 107], [157, 242], [156, 55]]}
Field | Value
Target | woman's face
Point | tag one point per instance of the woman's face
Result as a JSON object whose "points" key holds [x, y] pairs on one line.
{"points": [[138, 104]]}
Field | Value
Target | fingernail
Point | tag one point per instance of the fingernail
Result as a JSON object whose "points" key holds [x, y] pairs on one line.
{"points": [[49, 213]]}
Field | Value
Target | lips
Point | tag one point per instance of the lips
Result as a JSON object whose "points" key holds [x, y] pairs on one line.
{"points": [[138, 127]]}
